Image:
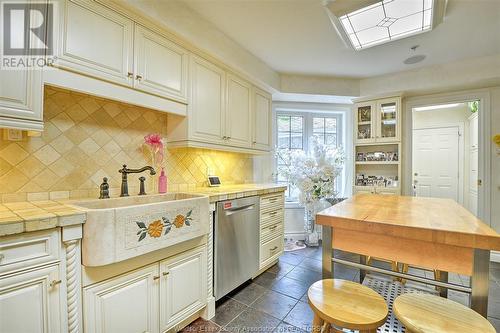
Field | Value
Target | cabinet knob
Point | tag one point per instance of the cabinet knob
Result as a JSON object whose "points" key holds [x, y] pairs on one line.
{"points": [[166, 273], [156, 277], [55, 283], [130, 74], [138, 77], [255, 142]]}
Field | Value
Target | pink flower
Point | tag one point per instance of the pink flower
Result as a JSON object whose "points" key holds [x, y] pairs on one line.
{"points": [[155, 143], [154, 140]]}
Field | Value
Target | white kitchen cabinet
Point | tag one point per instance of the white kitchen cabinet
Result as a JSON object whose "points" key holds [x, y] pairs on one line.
{"points": [[262, 115], [127, 303], [183, 288], [21, 99], [96, 41], [161, 66], [378, 121], [238, 124], [31, 301], [272, 225], [207, 108]]}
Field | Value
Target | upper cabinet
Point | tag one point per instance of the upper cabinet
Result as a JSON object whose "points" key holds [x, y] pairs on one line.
{"points": [[207, 108], [96, 41], [262, 115], [238, 112], [99, 42], [225, 112], [21, 99], [378, 121], [161, 66]]}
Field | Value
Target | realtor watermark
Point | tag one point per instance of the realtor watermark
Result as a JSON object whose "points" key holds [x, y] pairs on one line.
{"points": [[27, 31]]}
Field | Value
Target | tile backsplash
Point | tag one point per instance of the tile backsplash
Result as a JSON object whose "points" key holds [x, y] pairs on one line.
{"points": [[87, 138]]}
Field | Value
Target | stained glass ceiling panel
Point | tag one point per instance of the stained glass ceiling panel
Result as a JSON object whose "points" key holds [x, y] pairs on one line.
{"points": [[387, 20]]}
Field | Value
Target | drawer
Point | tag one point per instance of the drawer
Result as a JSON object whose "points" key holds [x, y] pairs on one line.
{"points": [[271, 217], [28, 249], [271, 231], [272, 202], [271, 248]]}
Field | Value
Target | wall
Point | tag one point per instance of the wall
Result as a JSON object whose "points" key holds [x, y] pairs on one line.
{"points": [[455, 115], [87, 138], [495, 159], [177, 17]]}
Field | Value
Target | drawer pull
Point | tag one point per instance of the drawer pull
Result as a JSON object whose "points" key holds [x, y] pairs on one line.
{"points": [[273, 249], [273, 199], [130, 74], [156, 277], [138, 77], [273, 213], [165, 273], [55, 283], [273, 228]]}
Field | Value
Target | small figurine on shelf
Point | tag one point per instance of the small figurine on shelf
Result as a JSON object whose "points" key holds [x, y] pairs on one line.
{"points": [[162, 182], [104, 189]]}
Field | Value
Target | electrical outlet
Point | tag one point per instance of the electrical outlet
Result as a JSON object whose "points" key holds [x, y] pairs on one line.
{"points": [[12, 134]]}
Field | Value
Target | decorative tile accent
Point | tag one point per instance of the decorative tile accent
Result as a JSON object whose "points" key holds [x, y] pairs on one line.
{"points": [[87, 138]]}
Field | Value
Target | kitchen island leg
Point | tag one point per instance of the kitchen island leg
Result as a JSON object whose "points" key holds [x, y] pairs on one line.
{"points": [[327, 252], [480, 280]]}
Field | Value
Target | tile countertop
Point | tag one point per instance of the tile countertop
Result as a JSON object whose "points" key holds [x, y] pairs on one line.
{"points": [[19, 217]]}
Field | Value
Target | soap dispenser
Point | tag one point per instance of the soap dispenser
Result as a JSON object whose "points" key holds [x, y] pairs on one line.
{"points": [[162, 182]]}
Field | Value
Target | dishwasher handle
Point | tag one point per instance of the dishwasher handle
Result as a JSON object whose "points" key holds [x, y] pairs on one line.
{"points": [[231, 211]]}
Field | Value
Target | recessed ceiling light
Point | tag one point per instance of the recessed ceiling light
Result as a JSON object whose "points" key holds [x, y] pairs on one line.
{"points": [[371, 24], [414, 59]]}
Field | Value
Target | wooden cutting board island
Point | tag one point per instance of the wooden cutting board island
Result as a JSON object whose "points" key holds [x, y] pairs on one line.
{"points": [[427, 232]]}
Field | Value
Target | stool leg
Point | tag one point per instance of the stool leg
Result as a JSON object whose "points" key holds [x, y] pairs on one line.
{"points": [[405, 271], [317, 324]]}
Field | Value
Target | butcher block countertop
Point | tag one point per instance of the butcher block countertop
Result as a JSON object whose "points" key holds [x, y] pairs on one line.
{"points": [[428, 219]]}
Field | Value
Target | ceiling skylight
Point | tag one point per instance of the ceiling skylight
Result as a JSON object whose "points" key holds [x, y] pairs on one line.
{"points": [[387, 20]]}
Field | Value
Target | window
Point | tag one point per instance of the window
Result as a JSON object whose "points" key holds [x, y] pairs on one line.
{"points": [[294, 130]]}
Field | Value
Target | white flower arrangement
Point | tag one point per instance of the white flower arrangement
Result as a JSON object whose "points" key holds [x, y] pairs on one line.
{"points": [[313, 174]]}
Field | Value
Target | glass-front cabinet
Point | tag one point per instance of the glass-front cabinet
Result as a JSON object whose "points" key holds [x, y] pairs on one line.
{"points": [[365, 122], [378, 121]]}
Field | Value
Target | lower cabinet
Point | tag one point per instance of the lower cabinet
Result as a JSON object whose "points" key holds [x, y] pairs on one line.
{"points": [[182, 287], [271, 229], [151, 299], [31, 301]]}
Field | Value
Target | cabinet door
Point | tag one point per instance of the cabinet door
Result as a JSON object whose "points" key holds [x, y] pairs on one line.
{"points": [[127, 303], [95, 40], [183, 287], [262, 120], [21, 94], [238, 115], [31, 301], [365, 121], [161, 67], [206, 110], [388, 120]]}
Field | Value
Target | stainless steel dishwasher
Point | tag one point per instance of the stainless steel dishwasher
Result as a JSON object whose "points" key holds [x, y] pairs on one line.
{"points": [[236, 243]]}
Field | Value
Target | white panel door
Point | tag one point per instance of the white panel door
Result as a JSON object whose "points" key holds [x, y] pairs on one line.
{"points": [[206, 110], [262, 120], [436, 162], [161, 66], [238, 115], [183, 286], [97, 41], [30, 302], [127, 303], [21, 94]]}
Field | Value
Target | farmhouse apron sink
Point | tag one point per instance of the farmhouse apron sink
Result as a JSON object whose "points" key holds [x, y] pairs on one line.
{"points": [[122, 228]]}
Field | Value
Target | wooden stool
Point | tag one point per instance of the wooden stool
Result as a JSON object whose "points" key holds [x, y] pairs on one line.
{"points": [[346, 304], [423, 313], [437, 274]]}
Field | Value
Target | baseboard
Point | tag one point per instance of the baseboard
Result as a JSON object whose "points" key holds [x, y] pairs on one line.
{"points": [[495, 256]]}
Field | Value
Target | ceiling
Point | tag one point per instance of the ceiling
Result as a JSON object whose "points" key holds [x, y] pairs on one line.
{"points": [[296, 36]]}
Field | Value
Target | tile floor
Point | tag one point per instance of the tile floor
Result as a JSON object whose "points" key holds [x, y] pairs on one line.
{"points": [[276, 301]]}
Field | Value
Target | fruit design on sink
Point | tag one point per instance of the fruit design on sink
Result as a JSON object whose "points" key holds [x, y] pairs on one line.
{"points": [[155, 228]]}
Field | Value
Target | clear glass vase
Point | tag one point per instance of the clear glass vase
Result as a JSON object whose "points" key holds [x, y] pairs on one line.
{"points": [[310, 211]]}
